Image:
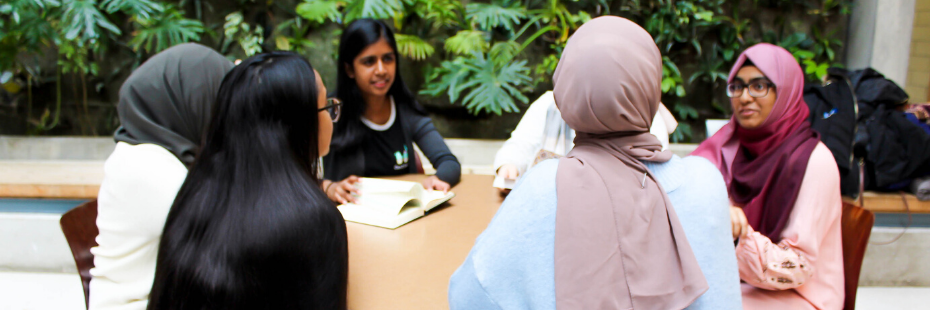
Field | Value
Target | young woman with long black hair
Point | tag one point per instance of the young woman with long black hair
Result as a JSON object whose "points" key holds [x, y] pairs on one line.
{"points": [[381, 120], [250, 228]]}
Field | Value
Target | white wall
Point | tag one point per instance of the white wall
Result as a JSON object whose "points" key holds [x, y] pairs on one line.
{"points": [[880, 37]]}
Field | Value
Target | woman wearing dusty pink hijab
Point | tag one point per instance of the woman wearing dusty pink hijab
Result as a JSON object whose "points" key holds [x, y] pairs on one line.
{"points": [[596, 229], [784, 185]]}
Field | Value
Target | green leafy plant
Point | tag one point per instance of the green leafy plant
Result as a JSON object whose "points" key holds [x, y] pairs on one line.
{"points": [[484, 55], [81, 32], [236, 30], [467, 42], [490, 86], [413, 47], [166, 29], [481, 46], [140, 8], [319, 11], [378, 9], [489, 15]]}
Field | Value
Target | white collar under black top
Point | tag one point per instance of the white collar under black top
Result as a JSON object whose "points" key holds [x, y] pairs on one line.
{"points": [[387, 125]]}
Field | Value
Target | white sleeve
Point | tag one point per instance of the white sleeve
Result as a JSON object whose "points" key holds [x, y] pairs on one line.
{"points": [[527, 138], [659, 130], [139, 186]]}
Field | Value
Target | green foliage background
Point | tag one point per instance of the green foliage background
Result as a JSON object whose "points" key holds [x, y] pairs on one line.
{"points": [[62, 61]]}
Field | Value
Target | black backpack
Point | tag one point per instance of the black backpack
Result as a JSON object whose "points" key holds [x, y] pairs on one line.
{"points": [[833, 114]]}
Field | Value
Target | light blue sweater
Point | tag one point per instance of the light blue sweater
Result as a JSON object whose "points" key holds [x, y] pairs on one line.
{"points": [[511, 265]]}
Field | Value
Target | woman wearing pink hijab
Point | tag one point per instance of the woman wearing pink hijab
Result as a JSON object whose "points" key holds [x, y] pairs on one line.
{"points": [[784, 185], [596, 229]]}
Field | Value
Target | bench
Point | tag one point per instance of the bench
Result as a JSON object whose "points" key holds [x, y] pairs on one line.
{"points": [[891, 203]]}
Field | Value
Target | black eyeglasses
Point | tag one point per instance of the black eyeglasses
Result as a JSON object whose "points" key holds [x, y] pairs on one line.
{"points": [[333, 107], [757, 88]]}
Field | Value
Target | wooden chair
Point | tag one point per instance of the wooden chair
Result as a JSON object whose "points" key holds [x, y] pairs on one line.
{"points": [[80, 228], [856, 226]]}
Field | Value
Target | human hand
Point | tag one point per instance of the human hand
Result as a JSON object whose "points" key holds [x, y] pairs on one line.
{"points": [[508, 171], [435, 183], [342, 191], [740, 224]]}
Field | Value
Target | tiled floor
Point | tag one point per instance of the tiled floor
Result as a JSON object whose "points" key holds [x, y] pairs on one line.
{"points": [[56, 291]]}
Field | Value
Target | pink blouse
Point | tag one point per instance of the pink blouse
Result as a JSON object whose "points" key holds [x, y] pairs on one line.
{"points": [[804, 270]]}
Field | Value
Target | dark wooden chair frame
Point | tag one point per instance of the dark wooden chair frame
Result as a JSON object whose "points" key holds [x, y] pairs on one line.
{"points": [[80, 228], [857, 227]]}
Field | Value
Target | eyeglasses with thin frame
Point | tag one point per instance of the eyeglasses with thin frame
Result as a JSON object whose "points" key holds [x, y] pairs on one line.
{"points": [[333, 107], [757, 88]]}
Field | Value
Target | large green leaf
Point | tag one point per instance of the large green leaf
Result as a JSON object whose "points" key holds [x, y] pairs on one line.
{"points": [[377, 9], [447, 78], [81, 17], [467, 42], [319, 11], [413, 47], [489, 15], [142, 8], [165, 30], [233, 21], [488, 87], [503, 52]]}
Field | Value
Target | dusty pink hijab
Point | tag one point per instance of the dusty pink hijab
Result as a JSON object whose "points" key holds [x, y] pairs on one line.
{"points": [[618, 242]]}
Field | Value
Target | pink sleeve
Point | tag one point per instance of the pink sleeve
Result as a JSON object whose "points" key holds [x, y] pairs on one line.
{"points": [[791, 262]]}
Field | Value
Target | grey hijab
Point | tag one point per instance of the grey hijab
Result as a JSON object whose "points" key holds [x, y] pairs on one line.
{"points": [[169, 99]]}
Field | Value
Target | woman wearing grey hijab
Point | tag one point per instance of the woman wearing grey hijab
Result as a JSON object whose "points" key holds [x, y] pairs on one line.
{"points": [[164, 107], [597, 229]]}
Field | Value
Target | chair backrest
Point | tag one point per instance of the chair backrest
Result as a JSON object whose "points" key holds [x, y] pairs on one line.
{"points": [[857, 227], [80, 228]]}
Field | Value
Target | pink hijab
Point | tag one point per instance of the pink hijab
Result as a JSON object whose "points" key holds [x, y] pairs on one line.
{"points": [[618, 242], [763, 167]]}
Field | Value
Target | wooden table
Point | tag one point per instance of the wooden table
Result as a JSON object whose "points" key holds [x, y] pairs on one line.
{"points": [[409, 267]]}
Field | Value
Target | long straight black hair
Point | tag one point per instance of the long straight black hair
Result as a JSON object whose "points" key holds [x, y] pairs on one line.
{"points": [[357, 36], [250, 227]]}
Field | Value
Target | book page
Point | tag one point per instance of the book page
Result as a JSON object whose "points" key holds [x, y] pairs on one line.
{"points": [[432, 198], [363, 215], [387, 197], [500, 182], [386, 203], [379, 186], [391, 203]]}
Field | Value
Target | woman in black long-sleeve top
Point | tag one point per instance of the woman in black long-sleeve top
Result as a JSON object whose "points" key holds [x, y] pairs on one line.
{"points": [[380, 118]]}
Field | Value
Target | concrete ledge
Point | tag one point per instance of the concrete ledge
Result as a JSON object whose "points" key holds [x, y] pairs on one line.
{"points": [[55, 148], [475, 152], [50, 179]]}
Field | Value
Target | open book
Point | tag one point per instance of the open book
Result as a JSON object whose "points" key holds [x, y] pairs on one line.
{"points": [[391, 203]]}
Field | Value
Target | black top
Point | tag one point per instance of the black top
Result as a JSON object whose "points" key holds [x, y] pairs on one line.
{"points": [[416, 128], [386, 152]]}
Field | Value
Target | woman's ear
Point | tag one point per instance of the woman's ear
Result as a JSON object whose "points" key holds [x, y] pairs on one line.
{"points": [[349, 71]]}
